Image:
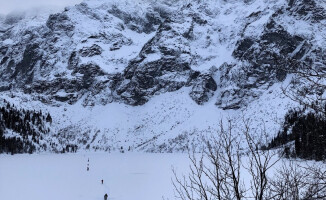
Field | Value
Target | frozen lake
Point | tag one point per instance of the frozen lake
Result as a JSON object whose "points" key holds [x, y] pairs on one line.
{"points": [[131, 176]]}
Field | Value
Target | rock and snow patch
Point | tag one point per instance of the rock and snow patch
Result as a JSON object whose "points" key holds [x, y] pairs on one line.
{"points": [[154, 76]]}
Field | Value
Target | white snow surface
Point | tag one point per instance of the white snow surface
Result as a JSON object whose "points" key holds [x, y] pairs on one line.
{"points": [[129, 176], [64, 176], [167, 123]]}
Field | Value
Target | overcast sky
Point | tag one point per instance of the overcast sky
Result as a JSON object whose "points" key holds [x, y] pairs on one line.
{"points": [[6, 6]]}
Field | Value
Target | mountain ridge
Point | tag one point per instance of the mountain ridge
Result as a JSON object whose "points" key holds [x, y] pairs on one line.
{"points": [[218, 57]]}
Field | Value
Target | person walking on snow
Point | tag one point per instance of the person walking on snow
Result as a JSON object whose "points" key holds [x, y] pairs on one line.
{"points": [[102, 181], [105, 196]]}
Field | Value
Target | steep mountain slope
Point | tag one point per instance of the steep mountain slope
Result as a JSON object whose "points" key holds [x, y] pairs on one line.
{"points": [[24, 131], [156, 75]]}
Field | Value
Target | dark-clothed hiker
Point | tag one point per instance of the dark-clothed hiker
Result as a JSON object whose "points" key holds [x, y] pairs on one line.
{"points": [[105, 196]]}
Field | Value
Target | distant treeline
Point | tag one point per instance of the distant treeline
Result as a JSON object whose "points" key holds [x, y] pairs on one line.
{"points": [[21, 131], [306, 128]]}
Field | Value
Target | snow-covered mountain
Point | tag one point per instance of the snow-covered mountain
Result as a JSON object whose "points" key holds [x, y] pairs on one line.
{"points": [[157, 75]]}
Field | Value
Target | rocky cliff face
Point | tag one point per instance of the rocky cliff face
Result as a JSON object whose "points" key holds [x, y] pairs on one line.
{"points": [[100, 53], [266, 58], [61, 61]]}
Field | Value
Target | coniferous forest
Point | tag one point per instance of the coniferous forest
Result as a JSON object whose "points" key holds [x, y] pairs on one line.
{"points": [[22, 131], [303, 134]]}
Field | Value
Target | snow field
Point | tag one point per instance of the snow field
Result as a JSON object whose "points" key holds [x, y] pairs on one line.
{"points": [[130, 176], [64, 176]]}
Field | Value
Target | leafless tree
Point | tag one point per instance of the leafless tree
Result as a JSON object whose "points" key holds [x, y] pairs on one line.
{"points": [[315, 182], [287, 181], [259, 163], [299, 181], [217, 172]]}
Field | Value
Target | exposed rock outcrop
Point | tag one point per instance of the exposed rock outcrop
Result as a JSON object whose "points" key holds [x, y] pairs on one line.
{"points": [[203, 88], [129, 56]]}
